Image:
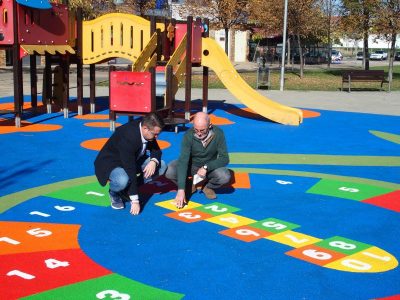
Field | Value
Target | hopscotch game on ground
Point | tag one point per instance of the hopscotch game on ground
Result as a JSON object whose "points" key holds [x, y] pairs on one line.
{"points": [[335, 252]]}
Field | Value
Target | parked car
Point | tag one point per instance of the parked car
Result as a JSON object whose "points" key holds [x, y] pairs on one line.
{"points": [[378, 55], [397, 56], [360, 54], [336, 55]]}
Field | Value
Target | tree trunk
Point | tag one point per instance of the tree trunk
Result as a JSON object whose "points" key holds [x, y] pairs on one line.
{"points": [[391, 58], [232, 39], [366, 51], [329, 36], [301, 57], [288, 51], [365, 37], [226, 41]]}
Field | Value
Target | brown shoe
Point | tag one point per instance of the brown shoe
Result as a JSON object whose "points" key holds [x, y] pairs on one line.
{"points": [[210, 194]]}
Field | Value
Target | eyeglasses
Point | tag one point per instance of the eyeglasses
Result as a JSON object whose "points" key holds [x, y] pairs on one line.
{"points": [[201, 130], [153, 132]]}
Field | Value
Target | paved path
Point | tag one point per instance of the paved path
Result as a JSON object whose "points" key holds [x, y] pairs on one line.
{"points": [[369, 102]]}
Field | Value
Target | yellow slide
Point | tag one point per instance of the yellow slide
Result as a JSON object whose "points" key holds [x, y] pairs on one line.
{"points": [[215, 58]]}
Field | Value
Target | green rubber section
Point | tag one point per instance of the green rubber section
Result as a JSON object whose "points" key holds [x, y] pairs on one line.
{"points": [[391, 137], [347, 190], [91, 193], [112, 286], [11, 200], [313, 159]]}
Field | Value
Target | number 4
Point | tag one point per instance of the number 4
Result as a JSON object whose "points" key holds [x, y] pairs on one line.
{"points": [[52, 263]]}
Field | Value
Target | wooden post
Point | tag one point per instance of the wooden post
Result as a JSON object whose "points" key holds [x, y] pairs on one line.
{"points": [[92, 85], [153, 89], [79, 63], [206, 34], [17, 72], [47, 82], [33, 72], [169, 97], [111, 114], [188, 78], [65, 83]]}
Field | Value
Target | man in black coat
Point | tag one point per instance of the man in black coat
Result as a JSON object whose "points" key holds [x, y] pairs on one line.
{"points": [[130, 153]]}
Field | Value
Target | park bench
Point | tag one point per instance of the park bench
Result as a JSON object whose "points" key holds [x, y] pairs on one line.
{"points": [[350, 76]]}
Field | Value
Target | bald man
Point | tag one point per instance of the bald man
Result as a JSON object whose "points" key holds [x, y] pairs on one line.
{"points": [[203, 152]]}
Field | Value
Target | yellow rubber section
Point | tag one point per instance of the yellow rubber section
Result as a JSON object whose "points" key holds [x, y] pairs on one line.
{"points": [[215, 58]]}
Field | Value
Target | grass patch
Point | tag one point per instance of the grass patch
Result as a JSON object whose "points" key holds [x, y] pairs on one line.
{"points": [[313, 80]]}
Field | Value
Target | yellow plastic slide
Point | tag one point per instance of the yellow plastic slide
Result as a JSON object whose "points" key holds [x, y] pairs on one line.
{"points": [[215, 58]]}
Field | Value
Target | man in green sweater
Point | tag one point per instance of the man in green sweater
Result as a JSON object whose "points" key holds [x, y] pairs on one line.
{"points": [[204, 155]]}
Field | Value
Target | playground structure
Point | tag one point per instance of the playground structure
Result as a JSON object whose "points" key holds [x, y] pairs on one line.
{"points": [[162, 53]]}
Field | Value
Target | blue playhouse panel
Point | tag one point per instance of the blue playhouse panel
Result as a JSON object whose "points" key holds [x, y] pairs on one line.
{"points": [[40, 4]]}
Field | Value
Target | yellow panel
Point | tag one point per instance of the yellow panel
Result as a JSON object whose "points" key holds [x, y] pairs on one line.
{"points": [[42, 49], [371, 260], [105, 45], [230, 220], [145, 54], [170, 204], [292, 238], [151, 63]]}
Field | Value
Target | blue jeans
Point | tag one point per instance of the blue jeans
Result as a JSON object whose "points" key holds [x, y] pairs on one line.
{"points": [[216, 178], [119, 180]]}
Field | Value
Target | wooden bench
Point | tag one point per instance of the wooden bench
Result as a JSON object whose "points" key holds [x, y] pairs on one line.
{"points": [[350, 76]]}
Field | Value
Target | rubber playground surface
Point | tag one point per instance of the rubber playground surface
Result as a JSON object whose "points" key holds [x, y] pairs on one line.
{"points": [[312, 213]]}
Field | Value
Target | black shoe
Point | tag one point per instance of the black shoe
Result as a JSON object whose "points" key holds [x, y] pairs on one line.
{"points": [[116, 201]]}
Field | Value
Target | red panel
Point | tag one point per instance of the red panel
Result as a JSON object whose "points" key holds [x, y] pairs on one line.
{"points": [[30, 273], [130, 91], [180, 31], [6, 23], [44, 26]]}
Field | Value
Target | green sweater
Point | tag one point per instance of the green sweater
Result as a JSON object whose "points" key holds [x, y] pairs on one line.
{"points": [[215, 155]]}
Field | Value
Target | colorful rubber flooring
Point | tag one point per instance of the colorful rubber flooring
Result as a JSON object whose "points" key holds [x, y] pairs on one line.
{"points": [[312, 213]]}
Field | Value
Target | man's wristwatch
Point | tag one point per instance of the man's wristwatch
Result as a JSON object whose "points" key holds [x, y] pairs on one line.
{"points": [[205, 167]]}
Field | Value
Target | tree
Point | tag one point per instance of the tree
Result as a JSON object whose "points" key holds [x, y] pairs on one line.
{"points": [[388, 25], [329, 9], [358, 17], [304, 20], [223, 14], [139, 7], [92, 8]]}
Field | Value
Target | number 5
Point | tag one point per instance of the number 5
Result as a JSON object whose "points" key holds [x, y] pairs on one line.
{"points": [[113, 295]]}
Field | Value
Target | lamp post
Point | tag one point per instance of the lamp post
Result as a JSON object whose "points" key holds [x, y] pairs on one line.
{"points": [[284, 47]]}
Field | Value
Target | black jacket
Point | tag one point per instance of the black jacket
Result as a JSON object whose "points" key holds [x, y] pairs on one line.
{"points": [[122, 150]]}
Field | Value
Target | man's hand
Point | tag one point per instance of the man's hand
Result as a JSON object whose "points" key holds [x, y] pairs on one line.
{"points": [[180, 199], [150, 169], [202, 172], [135, 208]]}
